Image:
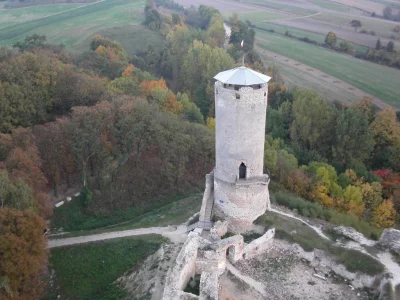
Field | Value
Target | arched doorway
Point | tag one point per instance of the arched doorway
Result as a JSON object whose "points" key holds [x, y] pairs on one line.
{"points": [[242, 171]]}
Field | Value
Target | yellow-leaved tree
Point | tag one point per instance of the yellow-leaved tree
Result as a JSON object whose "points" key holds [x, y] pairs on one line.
{"points": [[384, 214]]}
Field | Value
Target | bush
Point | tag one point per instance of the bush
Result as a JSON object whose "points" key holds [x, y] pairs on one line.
{"points": [[314, 210], [86, 196]]}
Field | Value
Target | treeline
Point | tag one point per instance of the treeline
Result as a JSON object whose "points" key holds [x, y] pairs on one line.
{"points": [[192, 52], [390, 14], [327, 154], [115, 130]]}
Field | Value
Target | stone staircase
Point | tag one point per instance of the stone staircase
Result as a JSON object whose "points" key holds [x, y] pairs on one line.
{"points": [[209, 209]]}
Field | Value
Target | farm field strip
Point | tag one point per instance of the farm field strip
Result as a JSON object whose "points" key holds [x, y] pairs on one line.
{"points": [[77, 25], [382, 28], [297, 75], [300, 33], [20, 15], [377, 80]]}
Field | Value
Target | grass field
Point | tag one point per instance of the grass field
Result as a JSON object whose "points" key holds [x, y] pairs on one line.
{"points": [[381, 27], [375, 79], [174, 213], [88, 271], [15, 16], [75, 27], [257, 16], [282, 7], [336, 6], [158, 212], [299, 33]]}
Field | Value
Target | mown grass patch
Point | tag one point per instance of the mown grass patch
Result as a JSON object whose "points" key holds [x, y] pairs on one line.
{"points": [[297, 232], [88, 271], [20, 15], [74, 27], [72, 216]]}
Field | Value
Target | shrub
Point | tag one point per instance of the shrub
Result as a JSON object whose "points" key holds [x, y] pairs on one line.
{"points": [[314, 210], [86, 196]]}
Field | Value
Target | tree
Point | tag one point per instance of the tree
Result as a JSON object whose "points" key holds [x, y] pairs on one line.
{"points": [[345, 46], [190, 111], [387, 13], [312, 122], [353, 139], [30, 42], [378, 44], [23, 249], [355, 24], [331, 39], [386, 129], [275, 125], [384, 215], [210, 123], [200, 65], [352, 201], [390, 47]]}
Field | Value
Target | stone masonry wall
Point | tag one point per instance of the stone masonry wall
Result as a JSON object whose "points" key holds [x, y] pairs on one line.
{"points": [[240, 130]]}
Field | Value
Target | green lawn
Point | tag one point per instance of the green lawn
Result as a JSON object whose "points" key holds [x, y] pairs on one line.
{"points": [[378, 80], [76, 26], [15, 16], [257, 16], [132, 37], [171, 210], [88, 271], [174, 213]]}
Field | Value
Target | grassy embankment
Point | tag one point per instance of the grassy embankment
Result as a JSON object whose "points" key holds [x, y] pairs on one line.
{"points": [[172, 210], [88, 271], [375, 79], [119, 19], [294, 231]]}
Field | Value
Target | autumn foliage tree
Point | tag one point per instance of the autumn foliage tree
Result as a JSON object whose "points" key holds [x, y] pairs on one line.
{"points": [[23, 254]]}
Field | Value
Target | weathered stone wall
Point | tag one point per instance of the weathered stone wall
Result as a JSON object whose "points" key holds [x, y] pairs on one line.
{"points": [[209, 286], [260, 245], [240, 204], [240, 131], [183, 270], [208, 194]]}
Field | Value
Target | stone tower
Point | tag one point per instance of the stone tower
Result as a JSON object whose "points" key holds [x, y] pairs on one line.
{"points": [[240, 187]]}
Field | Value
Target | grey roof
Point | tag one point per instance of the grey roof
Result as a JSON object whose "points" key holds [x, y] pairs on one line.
{"points": [[242, 76]]}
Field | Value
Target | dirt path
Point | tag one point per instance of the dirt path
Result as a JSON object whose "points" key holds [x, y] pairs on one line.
{"points": [[316, 229], [175, 235], [323, 77]]}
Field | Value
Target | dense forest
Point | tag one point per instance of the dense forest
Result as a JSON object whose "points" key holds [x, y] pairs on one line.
{"points": [[128, 129]]}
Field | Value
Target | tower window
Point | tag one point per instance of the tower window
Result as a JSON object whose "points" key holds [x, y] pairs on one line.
{"points": [[237, 96], [242, 171], [265, 94]]}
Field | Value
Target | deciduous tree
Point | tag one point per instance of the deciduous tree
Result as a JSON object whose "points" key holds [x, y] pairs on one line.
{"points": [[23, 254]]}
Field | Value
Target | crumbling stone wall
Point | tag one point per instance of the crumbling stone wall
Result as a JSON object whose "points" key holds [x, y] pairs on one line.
{"points": [[260, 245], [207, 196], [183, 270]]}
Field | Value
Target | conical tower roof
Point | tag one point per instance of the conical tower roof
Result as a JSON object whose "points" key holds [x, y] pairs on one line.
{"points": [[242, 76]]}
